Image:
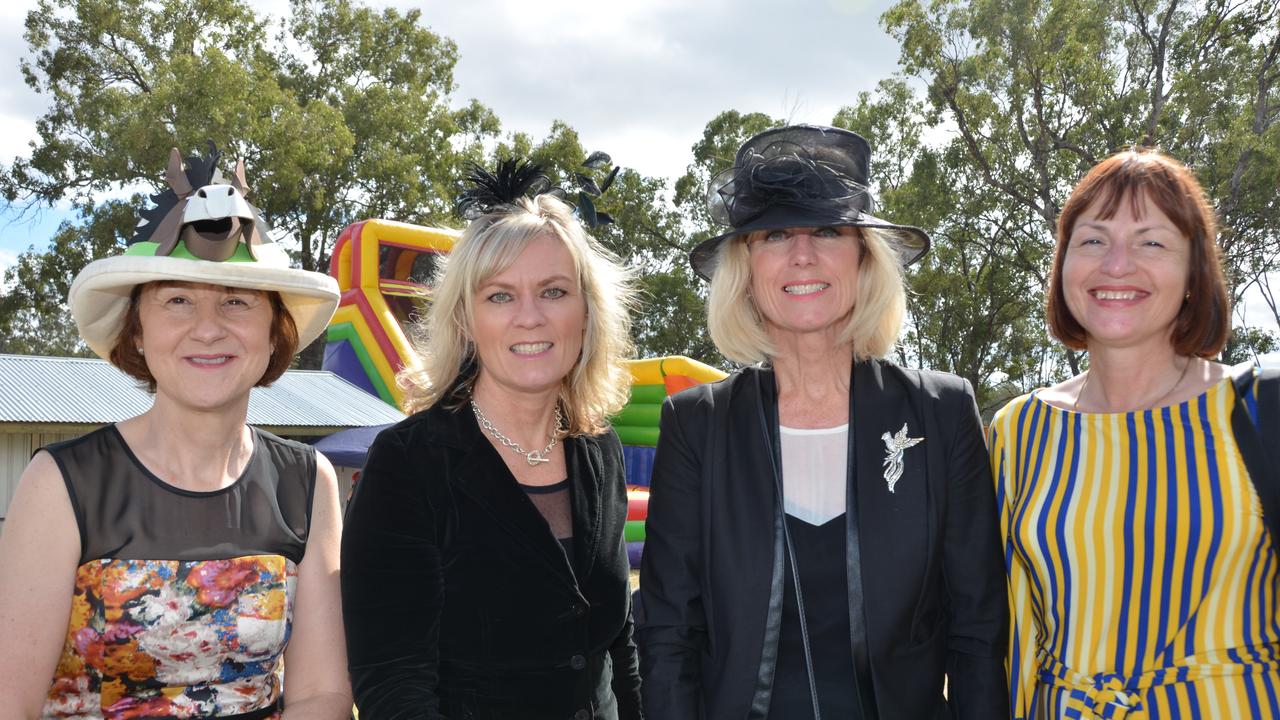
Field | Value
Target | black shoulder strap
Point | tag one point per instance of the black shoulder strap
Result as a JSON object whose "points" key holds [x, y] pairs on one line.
{"points": [[1258, 443]]}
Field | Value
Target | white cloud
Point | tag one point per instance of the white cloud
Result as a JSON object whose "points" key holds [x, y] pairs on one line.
{"points": [[641, 80]]}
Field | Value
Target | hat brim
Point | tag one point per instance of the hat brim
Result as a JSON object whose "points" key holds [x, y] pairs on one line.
{"points": [[99, 296], [907, 242]]}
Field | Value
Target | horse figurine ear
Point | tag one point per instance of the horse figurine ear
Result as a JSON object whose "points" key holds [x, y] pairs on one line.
{"points": [[167, 232], [252, 236], [176, 176], [238, 181]]}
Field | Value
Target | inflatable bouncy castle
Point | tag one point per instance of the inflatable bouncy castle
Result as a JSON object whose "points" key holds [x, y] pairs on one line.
{"points": [[384, 270]]}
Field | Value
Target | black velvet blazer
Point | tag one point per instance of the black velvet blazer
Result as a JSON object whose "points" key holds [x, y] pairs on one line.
{"points": [[924, 570], [458, 600]]}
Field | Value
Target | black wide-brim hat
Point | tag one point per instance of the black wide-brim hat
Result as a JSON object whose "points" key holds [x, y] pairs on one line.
{"points": [[799, 176]]}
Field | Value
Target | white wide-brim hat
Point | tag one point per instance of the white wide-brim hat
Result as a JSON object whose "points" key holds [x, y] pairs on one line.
{"points": [[99, 296]]}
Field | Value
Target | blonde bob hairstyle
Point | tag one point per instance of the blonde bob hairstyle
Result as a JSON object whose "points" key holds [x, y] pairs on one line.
{"points": [[446, 364], [871, 327]]}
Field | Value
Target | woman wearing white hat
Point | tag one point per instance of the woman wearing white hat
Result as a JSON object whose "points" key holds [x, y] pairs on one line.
{"points": [[160, 566]]}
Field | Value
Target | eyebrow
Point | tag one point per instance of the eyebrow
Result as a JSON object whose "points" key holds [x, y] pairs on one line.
{"points": [[542, 283], [1142, 229]]}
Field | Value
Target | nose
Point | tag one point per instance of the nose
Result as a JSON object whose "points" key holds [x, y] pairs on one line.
{"points": [[802, 249], [209, 325], [530, 314], [1118, 261]]}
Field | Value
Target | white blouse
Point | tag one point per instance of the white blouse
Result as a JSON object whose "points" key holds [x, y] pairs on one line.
{"points": [[814, 472]]}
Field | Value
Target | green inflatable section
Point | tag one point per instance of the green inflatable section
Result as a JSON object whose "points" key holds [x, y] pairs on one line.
{"points": [[633, 531], [637, 422]]}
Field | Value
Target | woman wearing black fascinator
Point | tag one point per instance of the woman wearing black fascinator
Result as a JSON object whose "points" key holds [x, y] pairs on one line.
{"points": [[487, 573], [822, 539]]}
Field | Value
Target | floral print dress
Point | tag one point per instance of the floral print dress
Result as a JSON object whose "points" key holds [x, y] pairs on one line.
{"points": [[156, 631]]}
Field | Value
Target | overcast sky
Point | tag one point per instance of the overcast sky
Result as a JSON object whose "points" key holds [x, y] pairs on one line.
{"points": [[639, 80]]}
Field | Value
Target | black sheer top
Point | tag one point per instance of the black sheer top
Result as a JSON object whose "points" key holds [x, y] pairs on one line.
{"points": [[126, 512]]}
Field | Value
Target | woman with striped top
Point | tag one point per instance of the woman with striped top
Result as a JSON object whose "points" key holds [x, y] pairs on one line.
{"points": [[1142, 580]]}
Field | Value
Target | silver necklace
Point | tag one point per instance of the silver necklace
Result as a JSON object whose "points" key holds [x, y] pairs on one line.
{"points": [[533, 457], [1075, 406]]}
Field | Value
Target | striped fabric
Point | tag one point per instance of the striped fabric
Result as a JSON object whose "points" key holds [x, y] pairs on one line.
{"points": [[1142, 581]]}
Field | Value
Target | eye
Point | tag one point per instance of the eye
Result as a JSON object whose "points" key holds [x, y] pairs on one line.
{"points": [[826, 232], [774, 236], [177, 300], [499, 297], [554, 293]]}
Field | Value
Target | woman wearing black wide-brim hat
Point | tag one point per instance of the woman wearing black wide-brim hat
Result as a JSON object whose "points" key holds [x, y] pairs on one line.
{"points": [[822, 537]]}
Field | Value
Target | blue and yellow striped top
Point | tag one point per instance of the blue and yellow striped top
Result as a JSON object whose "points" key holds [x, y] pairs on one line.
{"points": [[1142, 581]]}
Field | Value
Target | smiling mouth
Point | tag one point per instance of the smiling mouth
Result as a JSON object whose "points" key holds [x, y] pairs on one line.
{"points": [[211, 361], [1116, 294], [530, 348], [805, 289]]}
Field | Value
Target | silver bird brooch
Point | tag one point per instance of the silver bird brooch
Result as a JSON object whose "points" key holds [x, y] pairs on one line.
{"points": [[894, 445]]}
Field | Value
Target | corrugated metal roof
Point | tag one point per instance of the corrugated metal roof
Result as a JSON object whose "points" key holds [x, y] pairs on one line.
{"points": [[37, 389]]}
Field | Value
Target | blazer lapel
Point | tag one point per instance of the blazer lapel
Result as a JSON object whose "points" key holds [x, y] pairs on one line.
{"points": [[583, 466], [893, 525], [759, 479], [484, 477]]}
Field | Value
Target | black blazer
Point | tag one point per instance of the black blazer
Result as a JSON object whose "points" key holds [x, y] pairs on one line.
{"points": [[458, 600], [925, 573]]}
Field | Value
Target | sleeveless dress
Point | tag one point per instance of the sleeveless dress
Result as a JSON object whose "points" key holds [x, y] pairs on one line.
{"points": [[183, 600], [1143, 582]]}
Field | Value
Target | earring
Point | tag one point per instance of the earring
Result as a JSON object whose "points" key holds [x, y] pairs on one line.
{"points": [[141, 351]]}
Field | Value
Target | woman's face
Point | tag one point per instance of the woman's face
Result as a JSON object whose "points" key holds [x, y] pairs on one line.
{"points": [[1124, 278], [804, 280], [205, 345], [528, 321]]}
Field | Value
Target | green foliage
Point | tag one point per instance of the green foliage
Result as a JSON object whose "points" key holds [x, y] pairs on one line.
{"points": [[341, 112], [33, 316], [1247, 344], [1032, 93], [713, 154]]}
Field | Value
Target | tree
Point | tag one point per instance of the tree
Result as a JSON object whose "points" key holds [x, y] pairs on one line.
{"points": [[33, 316], [1037, 92], [973, 308], [342, 114]]}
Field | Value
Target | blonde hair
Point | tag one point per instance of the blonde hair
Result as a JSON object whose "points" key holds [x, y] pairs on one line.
{"points": [[446, 363], [871, 329]]}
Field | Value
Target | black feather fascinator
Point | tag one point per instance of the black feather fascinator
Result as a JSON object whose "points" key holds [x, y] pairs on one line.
{"points": [[499, 190]]}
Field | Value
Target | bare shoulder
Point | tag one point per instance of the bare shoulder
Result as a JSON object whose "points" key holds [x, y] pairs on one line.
{"points": [[1062, 395], [1216, 372], [41, 486], [324, 469], [41, 521]]}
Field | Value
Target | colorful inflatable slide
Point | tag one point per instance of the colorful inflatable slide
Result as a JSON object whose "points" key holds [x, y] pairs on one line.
{"points": [[383, 269]]}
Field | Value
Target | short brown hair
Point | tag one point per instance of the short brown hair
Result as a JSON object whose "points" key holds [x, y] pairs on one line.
{"points": [[1203, 323], [125, 354]]}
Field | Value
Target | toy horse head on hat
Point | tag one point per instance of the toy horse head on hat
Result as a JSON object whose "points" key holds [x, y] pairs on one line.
{"points": [[209, 215]]}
